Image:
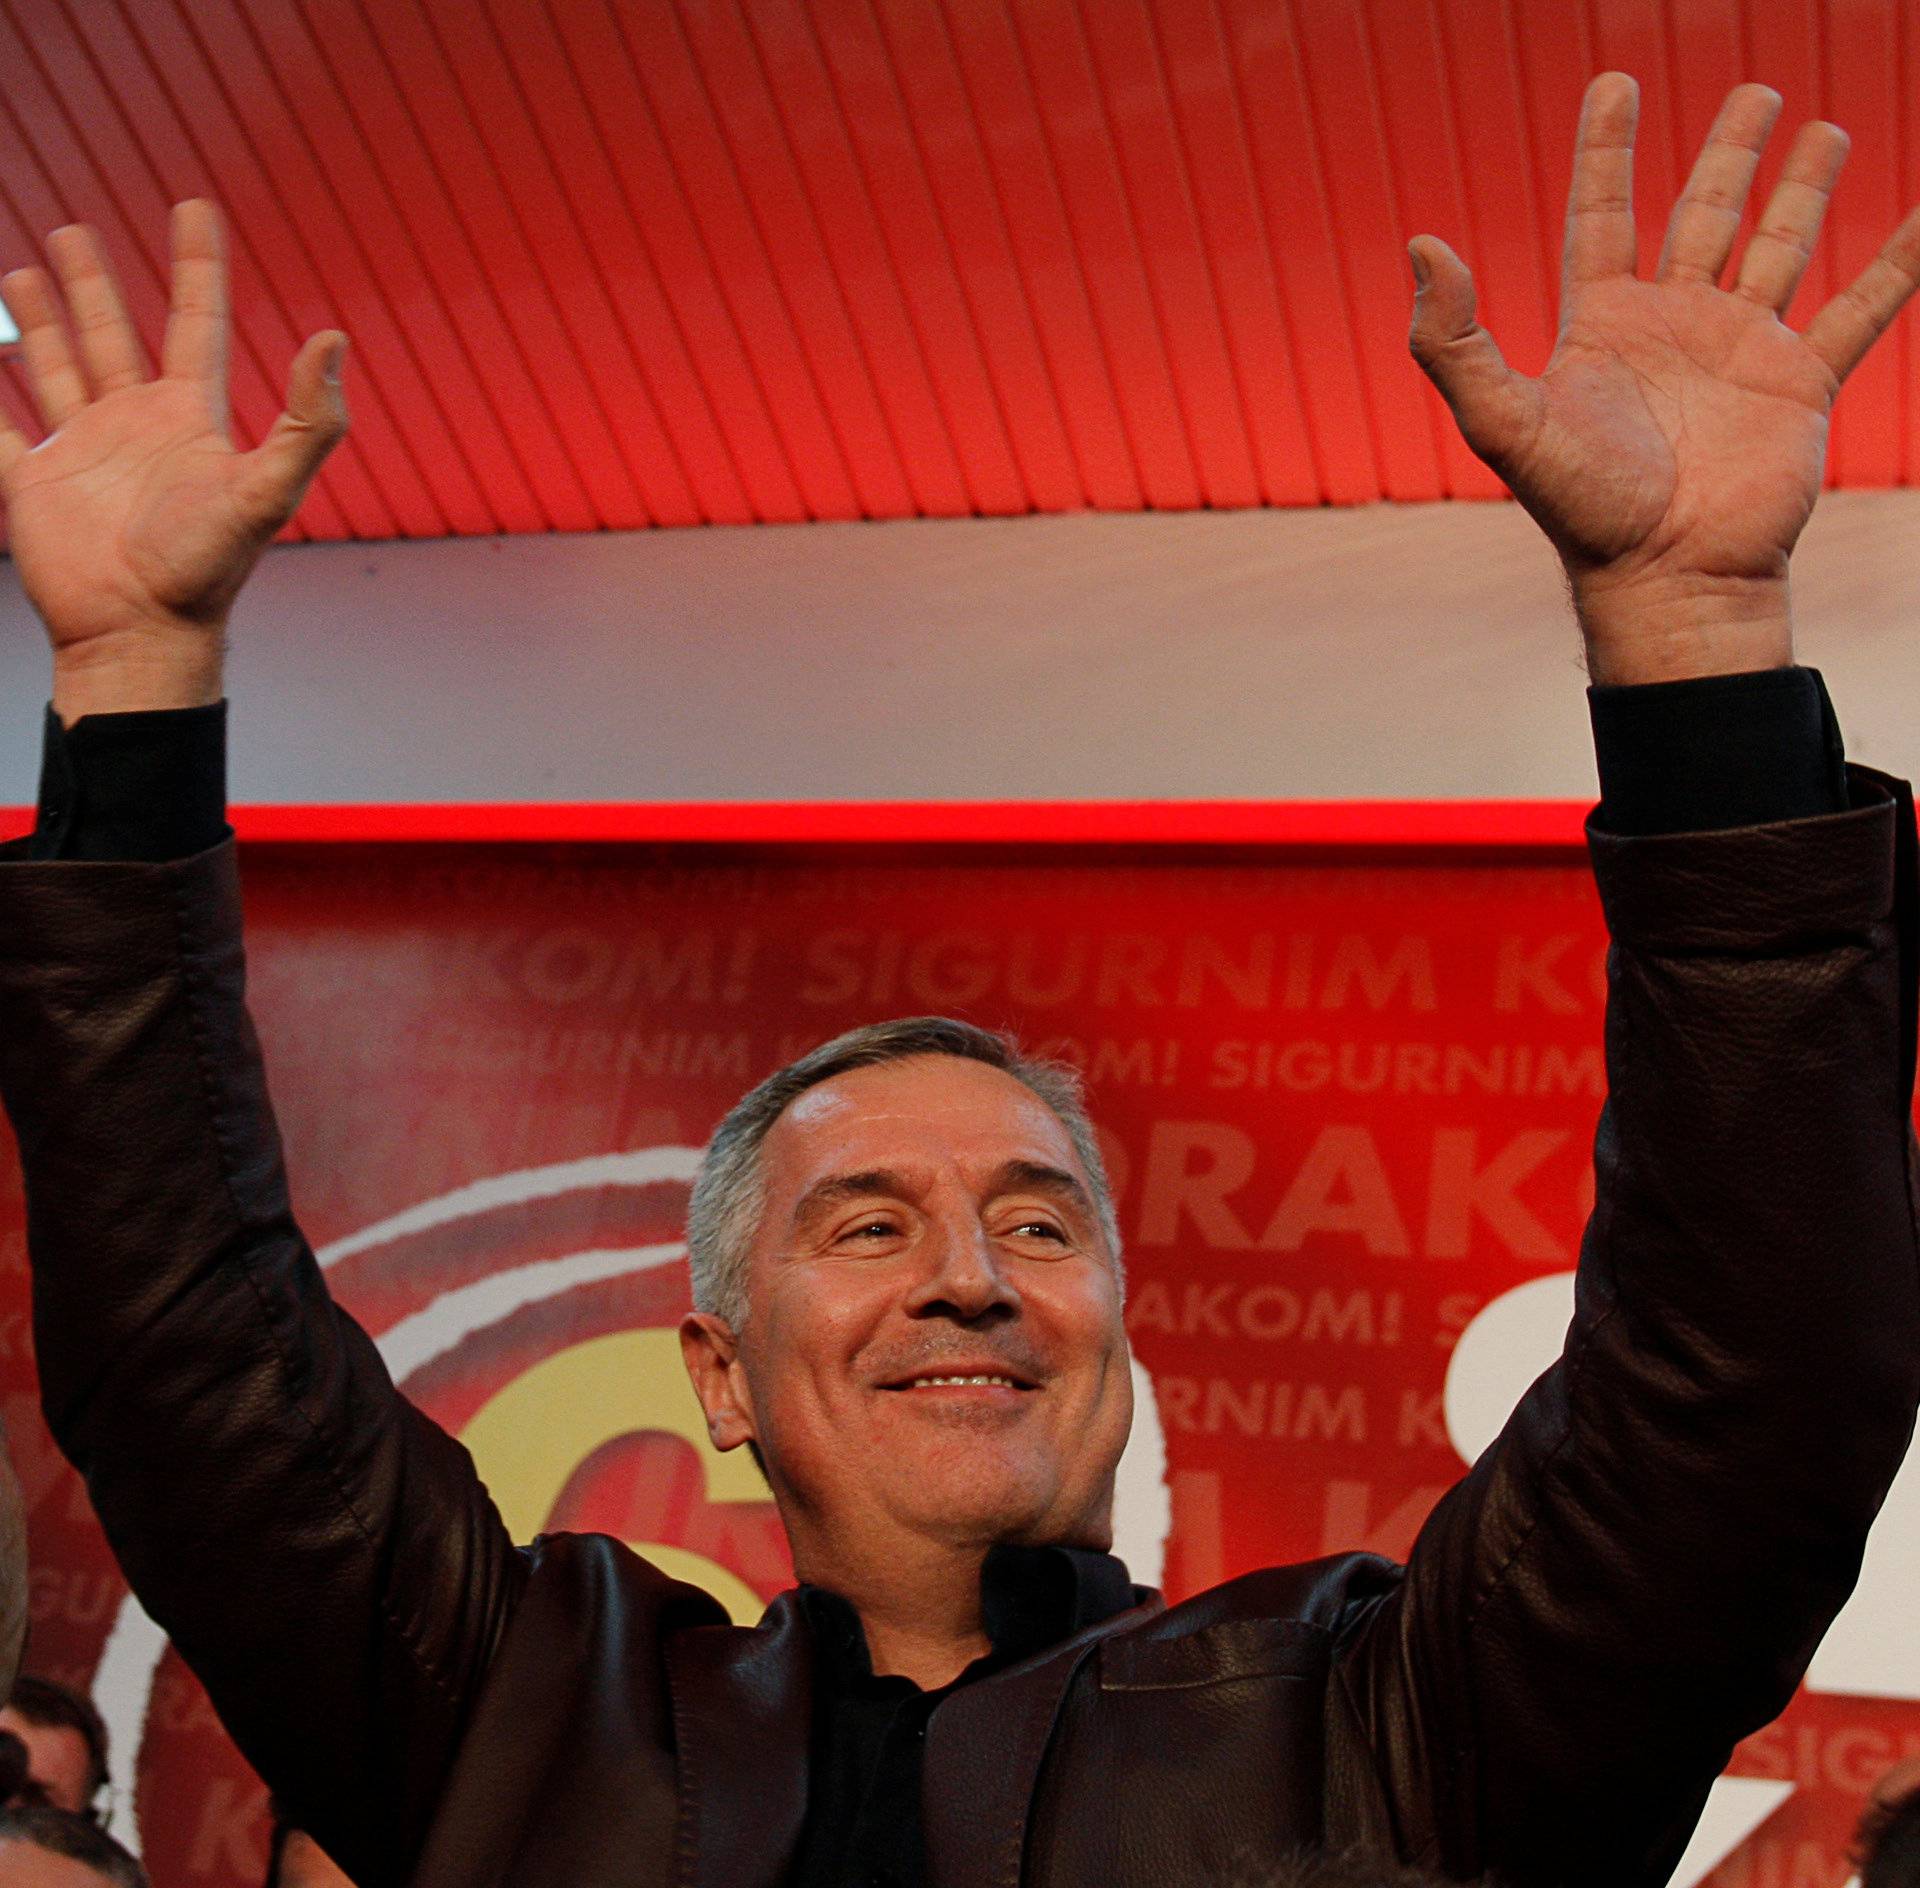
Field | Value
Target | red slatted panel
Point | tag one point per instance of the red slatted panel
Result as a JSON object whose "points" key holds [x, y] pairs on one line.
{"points": [[1489, 108], [624, 262], [945, 216], [650, 360], [1158, 193], [1297, 213], [1339, 69], [65, 114], [491, 90], [387, 116], [724, 120], [189, 120], [893, 175], [996, 95], [1103, 236], [1417, 117], [795, 115], [1555, 43], [350, 221], [675, 250], [372, 206], [703, 172], [1213, 139], [1862, 78], [433, 486], [405, 40]]}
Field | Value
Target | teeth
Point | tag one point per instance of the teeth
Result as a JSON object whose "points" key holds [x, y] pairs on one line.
{"points": [[1007, 1381]]}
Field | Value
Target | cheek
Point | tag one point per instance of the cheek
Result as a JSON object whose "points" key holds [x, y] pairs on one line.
{"points": [[814, 1323], [1082, 1321]]}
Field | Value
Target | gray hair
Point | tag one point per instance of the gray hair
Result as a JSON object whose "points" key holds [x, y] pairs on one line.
{"points": [[728, 1194]]}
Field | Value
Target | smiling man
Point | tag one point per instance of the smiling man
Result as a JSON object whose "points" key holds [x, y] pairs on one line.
{"points": [[907, 1269], [905, 1253]]}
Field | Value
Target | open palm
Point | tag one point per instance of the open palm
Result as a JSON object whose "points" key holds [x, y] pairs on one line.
{"points": [[135, 516], [1679, 427]]}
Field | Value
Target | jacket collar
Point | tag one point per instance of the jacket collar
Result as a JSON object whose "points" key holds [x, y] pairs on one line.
{"points": [[736, 1692], [1030, 1598], [742, 1717], [985, 1746]]}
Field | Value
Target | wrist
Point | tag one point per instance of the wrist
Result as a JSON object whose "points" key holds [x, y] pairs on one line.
{"points": [[1672, 629], [100, 678]]}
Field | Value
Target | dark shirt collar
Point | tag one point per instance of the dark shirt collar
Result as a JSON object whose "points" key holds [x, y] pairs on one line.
{"points": [[1030, 1598]]}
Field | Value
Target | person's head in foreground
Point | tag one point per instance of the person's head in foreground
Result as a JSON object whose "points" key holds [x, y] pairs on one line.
{"points": [[1887, 1846], [908, 1288], [294, 1859], [66, 1744], [50, 1848], [1332, 1868]]}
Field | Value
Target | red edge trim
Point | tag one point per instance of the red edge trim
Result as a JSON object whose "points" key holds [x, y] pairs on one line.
{"points": [[1476, 823]]}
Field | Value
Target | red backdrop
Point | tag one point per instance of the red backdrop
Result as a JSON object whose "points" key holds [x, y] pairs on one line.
{"points": [[1349, 1104]]}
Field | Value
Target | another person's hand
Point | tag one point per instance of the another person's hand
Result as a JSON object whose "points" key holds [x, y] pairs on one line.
{"points": [[1672, 448], [135, 521]]}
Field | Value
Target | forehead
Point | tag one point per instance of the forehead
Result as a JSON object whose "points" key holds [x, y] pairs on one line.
{"points": [[926, 1111]]}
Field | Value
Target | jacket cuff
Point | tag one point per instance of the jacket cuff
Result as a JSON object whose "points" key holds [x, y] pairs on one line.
{"points": [[1760, 887]]}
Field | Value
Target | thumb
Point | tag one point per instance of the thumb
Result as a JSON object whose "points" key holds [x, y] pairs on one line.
{"points": [[1492, 403], [277, 472]]}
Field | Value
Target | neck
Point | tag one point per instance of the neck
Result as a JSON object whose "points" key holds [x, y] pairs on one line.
{"points": [[919, 1608]]}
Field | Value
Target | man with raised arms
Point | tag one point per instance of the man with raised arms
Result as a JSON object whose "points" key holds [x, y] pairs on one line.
{"points": [[906, 1263]]}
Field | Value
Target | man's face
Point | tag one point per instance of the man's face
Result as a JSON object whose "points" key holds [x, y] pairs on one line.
{"points": [[925, 1220], [57, 1759]]}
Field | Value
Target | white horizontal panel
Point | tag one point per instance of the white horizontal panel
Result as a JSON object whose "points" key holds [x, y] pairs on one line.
{"points": [[1387, 652]]}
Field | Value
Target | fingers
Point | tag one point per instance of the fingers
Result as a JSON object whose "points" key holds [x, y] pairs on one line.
{"points": [[1492, 403], [196, 344], [278, 471], [1600, 237], [110, 348], [1701, 231], [1857, 317], [53, 376], [1780, 248]]}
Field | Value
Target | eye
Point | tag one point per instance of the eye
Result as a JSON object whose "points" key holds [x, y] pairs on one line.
{"points": [[871, 1229], [1039, 1228]]}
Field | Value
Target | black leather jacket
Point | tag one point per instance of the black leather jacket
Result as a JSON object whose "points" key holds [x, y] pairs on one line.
{"points": [[1631, 1579]]}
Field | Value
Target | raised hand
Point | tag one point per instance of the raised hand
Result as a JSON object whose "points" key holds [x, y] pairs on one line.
{"points": [[135, 521], [1672, 448]]}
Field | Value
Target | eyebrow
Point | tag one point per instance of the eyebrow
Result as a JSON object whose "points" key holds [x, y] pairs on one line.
{"points": [[837, 1189], [1042, 1178]]}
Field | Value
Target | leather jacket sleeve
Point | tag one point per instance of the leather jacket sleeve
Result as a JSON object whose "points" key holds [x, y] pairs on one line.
{"points": [[1637, 1572], [13, 1569], [325, 1558]]}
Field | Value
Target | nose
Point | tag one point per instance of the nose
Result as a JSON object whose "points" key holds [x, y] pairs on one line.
{"points": [[962, 1277]]}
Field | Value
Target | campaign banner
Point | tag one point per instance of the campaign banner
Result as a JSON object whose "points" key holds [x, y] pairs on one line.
{"points": [[1348, 1103]]}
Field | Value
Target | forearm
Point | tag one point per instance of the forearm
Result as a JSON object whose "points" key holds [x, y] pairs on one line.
{"points": [[298, 1528], [1638, 1570]]}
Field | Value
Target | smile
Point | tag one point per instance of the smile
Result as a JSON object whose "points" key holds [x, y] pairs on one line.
{"points": [[973, 1380]]}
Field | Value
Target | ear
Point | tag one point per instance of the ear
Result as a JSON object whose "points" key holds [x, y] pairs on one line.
{"points": [[712, 1356]]}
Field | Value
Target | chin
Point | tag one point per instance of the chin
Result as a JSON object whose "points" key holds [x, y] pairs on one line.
{"points": [[969, 1501]]}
